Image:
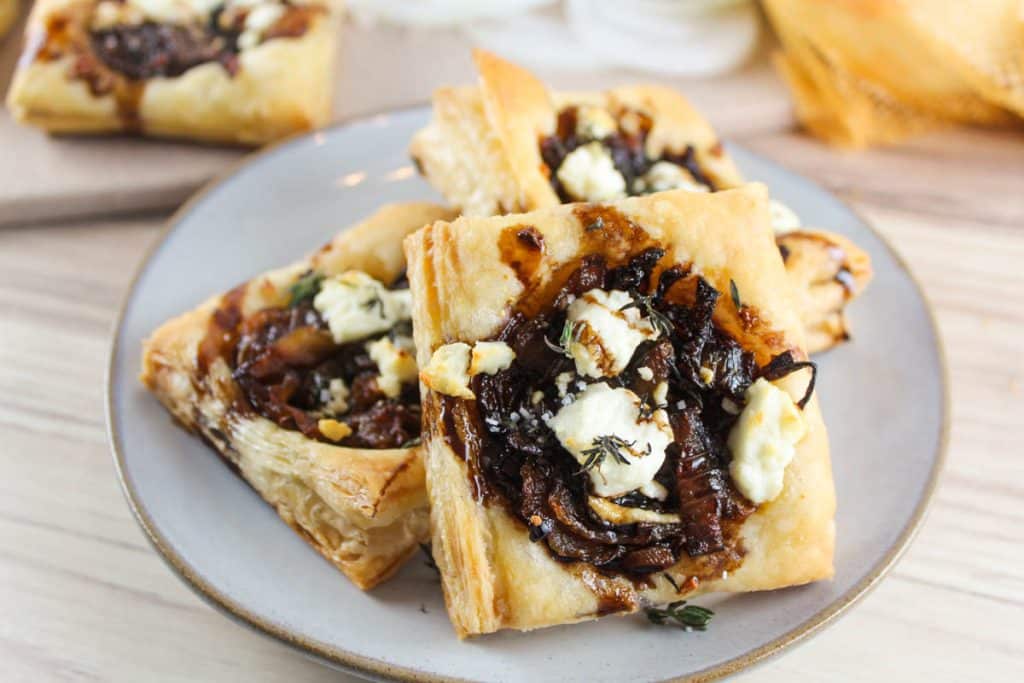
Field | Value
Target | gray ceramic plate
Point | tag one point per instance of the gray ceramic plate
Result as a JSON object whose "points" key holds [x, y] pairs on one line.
{"points": [[883, 396]]}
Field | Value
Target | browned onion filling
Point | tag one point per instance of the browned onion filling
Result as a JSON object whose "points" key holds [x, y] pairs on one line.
{"points": [[515, 459], [284, 359], [626, 148]]}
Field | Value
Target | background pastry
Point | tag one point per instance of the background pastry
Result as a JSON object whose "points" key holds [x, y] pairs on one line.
{"points": [[242, 72], [510, 145]]}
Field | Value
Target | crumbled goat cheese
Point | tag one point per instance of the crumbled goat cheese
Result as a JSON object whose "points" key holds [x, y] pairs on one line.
{"points": [[607, 328], [763, 441], [356, 306], [601, 411], [589, 174]]}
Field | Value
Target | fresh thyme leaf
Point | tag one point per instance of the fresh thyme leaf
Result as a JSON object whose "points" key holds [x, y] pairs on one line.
{"points": [[645, 303], [570, 332], [305, 288], [568, 335], [734, 292], [607, 446], [690, 617]]}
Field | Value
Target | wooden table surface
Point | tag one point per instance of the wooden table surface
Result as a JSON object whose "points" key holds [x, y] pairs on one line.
{"points": [[84, 597]]}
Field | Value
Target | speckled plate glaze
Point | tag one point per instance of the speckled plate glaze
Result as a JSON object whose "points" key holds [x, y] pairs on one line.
{"points": [[883, 395]]}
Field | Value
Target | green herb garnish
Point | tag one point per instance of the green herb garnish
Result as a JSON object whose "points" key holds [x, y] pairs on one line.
{"points": [[645, 303], [607, 446], [690, 617], [305, 288], [570, 333], [734, 292]]}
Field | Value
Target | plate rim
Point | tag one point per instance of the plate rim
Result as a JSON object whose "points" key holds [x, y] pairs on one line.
{"points": [[366, 666]]}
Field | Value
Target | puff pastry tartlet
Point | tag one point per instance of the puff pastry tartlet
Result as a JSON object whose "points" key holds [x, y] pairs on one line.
{"points": [[618, 410], [510, 145], [238, 71], [304, 380]]}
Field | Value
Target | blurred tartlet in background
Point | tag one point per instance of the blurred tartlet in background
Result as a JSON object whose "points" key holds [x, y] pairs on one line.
{"points": [[865, 72]]}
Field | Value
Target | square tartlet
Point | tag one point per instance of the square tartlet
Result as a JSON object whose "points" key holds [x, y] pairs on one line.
{"points": [[500, 307]]}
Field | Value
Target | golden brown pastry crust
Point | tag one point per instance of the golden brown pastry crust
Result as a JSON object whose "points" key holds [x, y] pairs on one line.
{"points": [[267, 99], [493, 576], [365, 510]]}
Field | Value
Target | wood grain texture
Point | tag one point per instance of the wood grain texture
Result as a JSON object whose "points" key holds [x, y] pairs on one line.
{"points": [[85, 598]]}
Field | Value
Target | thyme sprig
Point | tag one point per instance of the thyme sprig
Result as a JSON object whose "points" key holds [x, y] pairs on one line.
{"points": [[305, 288], [645, 303], [570, 333], [690, 617], [607, 446]]}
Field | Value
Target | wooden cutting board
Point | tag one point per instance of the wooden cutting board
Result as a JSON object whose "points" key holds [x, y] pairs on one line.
{"points": [[44, 177]]}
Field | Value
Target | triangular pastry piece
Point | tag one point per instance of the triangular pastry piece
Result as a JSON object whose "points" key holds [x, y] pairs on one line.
{"points": [[618, 409], [509, 145], [304, 380]]}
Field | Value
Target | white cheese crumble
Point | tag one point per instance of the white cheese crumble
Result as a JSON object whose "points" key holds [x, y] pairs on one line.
{"points": [[606, 332], [490, 357], [109, 13], [784, 219], [396, 362], [451, 366], [600, 411], [707, 375], [257, 21], [175, 11], [334, 397], [562, 383], [664, 175], [594, 123], [448, 370], [588, 174], [356, 306], [645, 373], [620, 514], [763, 441], [660, 393]]}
